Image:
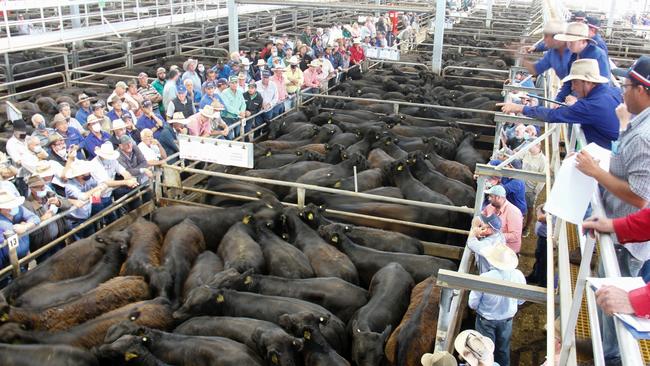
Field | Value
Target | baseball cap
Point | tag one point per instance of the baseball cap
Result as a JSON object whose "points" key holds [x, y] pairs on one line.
{"points": [[593, 22], [222, 82], [233, 79], [125, 139], [493, 220], [160, 69], [98, 105], [147, 104], [252, 84], [143, 75], [639, 71], [181, 89], [497, 190], [209, 84], [266, 74]]}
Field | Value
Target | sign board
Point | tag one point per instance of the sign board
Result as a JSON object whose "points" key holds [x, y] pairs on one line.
{"points": [[362, 19], [383, 53], [12, 242], [13, 113], [217, 151]]}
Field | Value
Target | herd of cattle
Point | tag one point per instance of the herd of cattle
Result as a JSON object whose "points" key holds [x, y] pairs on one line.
{"points": [[256, 284]]}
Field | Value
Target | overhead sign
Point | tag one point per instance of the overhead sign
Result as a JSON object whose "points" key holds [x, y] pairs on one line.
{"points": [[217, 151], [383, 53]]}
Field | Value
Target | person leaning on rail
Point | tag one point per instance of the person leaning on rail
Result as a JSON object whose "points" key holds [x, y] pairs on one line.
{"points": [[625, 188], [594, 108]]}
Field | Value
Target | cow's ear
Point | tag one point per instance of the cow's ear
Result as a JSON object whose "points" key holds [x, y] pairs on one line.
{"points": [[219, 298], [337, 184], [334, 238], [247, 219]]}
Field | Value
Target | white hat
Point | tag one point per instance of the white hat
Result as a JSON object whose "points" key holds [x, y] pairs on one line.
{"points": [[473, 346], [314, 63], [440, 358], [79, 167], [278, 67], [44, 169], [574, 32], [261, 62], [9, 201], [117, 124], [586, 69], [208, 111], [356, 41], [178, 117], [554, 27], [245, 61], [106, 151], [188, 62], [293, 60], [500, 256]]}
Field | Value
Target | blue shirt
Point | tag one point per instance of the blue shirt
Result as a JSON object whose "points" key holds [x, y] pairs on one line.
{"points": [[91, 142], [596, 113], [74, 190], [600, 42], [72, 137], [82, 115], [224, 73], [495, 307], [207, 100], [24, 215], [113, 116], [515, 193], [591, 51], [556, 60], [478, 245], [146, 122]]}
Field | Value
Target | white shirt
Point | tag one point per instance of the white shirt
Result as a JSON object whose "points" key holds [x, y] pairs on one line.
{"points": [[105, 170], [150, 152], [269, 93], [326, 66], [21, 155]]}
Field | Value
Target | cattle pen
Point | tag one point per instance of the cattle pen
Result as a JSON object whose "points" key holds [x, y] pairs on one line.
{"points": [[123, 38]]}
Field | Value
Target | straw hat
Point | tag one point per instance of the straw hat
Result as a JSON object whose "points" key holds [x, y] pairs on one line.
{"points": [[35, 181], [500, 256], [554, 27], [179, 117], [106, 151], [278, 68], [261, 62], [44, 169], [117, 124], [245, 61], [78, 168], [208, 112], [586, 69], [54, 137], [9, 201], [92, 119], [574, 32], [57, 118], [440, 358], [83, 97], [473, 346], [188, 62], [314, 63]]}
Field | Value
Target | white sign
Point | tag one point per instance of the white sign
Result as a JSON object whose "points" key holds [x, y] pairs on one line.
{"points": [[217, 151], [565, 201], [13, 113], [12, 241], [383, 53]]}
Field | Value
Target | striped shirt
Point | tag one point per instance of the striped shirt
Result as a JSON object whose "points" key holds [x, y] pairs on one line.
{"points": [[148, 93], [629, 162]]}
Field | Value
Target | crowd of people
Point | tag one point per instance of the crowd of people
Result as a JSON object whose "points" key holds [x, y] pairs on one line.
{"points": [[611, 117]]}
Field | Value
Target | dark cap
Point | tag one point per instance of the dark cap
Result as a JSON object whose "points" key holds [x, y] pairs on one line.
{"points": [[210, 84], [493, 220], [252, 84], [128, 116], [222, 82], [639, 71], [19, 125], [181, 89], [266, 74], [593, 22], [578, 16], [125, 139], [147, 104], [98, 105]]}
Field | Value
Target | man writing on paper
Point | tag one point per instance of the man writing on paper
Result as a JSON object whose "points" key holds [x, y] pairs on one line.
{"points": [[625, 188], [594, 109]]}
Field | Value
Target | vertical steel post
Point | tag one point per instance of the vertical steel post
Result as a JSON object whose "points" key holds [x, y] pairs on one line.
{"points": [[488, 16], [610, 18], [233, 26], [436, 59], [66, 68], [9, 74], [76, 17]]}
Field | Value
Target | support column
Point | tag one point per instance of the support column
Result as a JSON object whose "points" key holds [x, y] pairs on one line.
{"points": [[294, 16], [610, 18], [439, 33], [233, 26], [76, 17], [128, 53], [488, 16], [11, 89]]}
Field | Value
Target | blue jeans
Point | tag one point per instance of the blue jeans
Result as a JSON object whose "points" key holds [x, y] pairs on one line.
{"points": [[233, 132], [167, 140], [629, 267], [499, 331], [539, 269]]}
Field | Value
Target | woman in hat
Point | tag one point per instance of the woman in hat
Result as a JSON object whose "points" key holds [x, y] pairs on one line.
{"points": [[45, 203], [120, 92], [14, 219], [83, 187], [494, 313], [190, 73]]}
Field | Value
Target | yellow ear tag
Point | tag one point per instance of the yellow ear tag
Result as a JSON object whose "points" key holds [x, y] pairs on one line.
{"points": [[337, 184], [335, 238], [306, 334], [4, 317], [268, 153], [220, 298], [248, 280], [246, 220], [400, 168], [274, 359], [310, 216], [129, 356]]}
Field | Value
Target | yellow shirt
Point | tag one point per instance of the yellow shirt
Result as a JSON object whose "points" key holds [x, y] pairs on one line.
{"points": [[293, 79]]}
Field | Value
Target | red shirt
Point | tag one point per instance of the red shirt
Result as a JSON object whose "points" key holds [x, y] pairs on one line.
{"points": [[356, 55], [393, 20]]}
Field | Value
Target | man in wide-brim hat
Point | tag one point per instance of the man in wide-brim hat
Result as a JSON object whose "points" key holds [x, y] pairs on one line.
{"points": [[207, 123], [494, 313], [581, 46], [14, 218], [594, 106]]}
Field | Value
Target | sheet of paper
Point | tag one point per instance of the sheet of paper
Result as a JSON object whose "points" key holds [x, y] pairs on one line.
{"points": [[628, 284], [571, 193], [599, 153]]}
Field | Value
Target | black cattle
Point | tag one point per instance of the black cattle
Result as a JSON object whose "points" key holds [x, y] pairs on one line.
{"points": [[459, 193], [317, 352], [38, 354], [281, 258], [467, 154], [206, 265], [239, 250]]}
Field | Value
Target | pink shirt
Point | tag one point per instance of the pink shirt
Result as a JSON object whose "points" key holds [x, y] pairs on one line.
{"points": [[311, 78], [197, 128], [282, 88], [511, 223]]}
